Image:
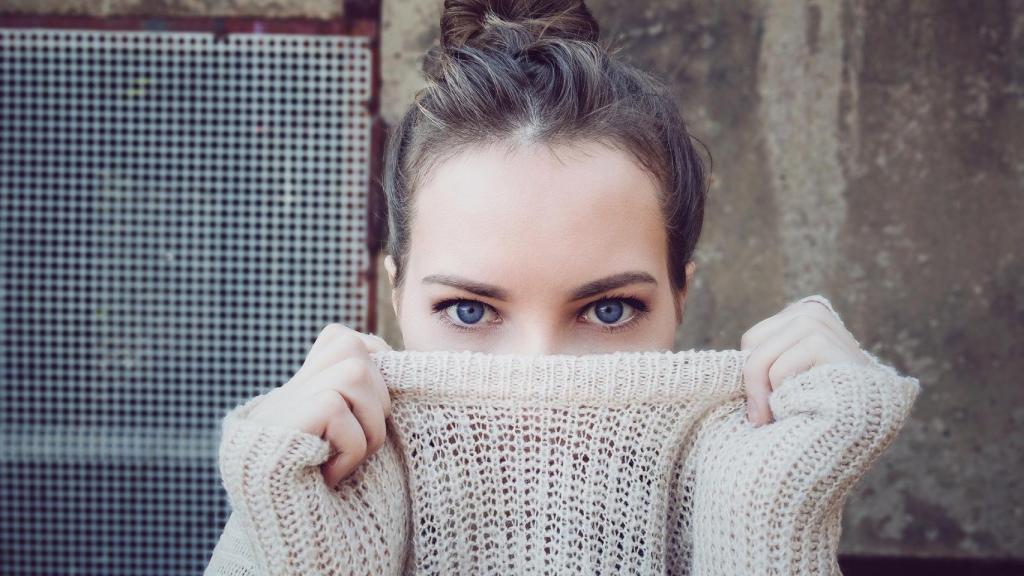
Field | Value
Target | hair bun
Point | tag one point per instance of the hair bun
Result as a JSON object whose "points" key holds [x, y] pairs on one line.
{"points": [[467, 21]]}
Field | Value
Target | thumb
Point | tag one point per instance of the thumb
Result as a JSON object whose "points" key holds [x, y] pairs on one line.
{"points": [[375, 343]]}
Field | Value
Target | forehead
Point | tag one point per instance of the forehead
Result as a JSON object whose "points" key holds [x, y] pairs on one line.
{"points": [[558, 216]]}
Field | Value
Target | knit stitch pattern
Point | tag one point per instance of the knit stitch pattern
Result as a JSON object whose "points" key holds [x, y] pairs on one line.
{"points": [[624, 463]]}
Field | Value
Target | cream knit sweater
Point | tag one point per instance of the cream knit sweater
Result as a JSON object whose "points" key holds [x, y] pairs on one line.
{"points": [[625, 463]]}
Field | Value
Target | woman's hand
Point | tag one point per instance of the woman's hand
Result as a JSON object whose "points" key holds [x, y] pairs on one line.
{"points": [[804, 334], [337, 394]]}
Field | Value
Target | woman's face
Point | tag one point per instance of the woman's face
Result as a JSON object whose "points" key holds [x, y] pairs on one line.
{"points": [[527, 252]]}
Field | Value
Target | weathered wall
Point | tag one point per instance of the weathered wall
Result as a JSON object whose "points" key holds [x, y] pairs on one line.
{"points": [[205, 8], [870, 151]]}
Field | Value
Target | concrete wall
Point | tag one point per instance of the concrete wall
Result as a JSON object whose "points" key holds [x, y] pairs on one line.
{"points": [[206, 8], [870, 151]]}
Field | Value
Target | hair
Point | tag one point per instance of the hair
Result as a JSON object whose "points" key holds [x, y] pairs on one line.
{"points": [[522, 71]]}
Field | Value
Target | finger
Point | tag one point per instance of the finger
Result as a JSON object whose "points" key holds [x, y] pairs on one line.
{"points": [[368, 374], [381, 388], [326, 333], [759, 373], [342, 345], [819, 299], [824, 302], [316, 351], [352, 378], [339, 342], [330, 332], [345, 435], [814, 349], [364, 403], [376, 343], [764, 329]]}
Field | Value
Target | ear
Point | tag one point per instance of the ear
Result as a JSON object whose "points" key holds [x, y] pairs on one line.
{"points": [[389, 265], [392, 269], [691, 267]]}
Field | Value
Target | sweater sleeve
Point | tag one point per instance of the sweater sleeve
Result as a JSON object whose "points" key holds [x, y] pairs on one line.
{"points": [[286, 520], [769, 499], [232, 556]]}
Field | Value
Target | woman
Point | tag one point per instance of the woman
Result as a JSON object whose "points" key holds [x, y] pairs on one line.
{"points": [[544, 197]]}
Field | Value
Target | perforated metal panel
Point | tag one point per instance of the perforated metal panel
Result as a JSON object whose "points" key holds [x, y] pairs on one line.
{"points": [[179, 217]]}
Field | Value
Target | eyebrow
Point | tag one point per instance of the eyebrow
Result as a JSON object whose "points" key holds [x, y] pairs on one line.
{"points": [[587, 290]]}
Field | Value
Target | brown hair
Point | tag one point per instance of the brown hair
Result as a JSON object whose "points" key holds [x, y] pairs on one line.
{"points": [[518, 71]]}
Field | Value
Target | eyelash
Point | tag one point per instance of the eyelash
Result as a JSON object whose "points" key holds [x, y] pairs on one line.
{"points": [[640, 311]]}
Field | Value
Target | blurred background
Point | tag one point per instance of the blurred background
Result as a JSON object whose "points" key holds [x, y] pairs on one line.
{"points": [[189, 194]]}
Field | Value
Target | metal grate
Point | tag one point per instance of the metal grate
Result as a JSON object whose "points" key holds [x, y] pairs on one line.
{"points": [[180, 215]]}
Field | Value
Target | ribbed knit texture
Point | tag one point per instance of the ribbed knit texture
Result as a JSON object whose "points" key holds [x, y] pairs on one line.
{"points": [[624, 463]]}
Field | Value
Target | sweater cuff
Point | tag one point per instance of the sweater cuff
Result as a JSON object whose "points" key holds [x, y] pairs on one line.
{"points": [[268, 472], [847, 390], [292, 521], [258, 451], [831, 423], [879, 364]]}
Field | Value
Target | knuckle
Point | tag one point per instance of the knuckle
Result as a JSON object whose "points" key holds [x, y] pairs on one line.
{"points": [[819, 339], [378, 439], [745, 339], [358, 448], [356, 369], [376, 342], [344, 471], [805, 320], [815, 304], [335, 401], [336, 470], [348, 337], [818, 310], [346, 343], [331, 330], [377, 443]]}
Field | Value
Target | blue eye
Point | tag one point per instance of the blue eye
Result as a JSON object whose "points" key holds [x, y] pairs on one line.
{"points": [[614, 313], [469, 312], [609, 311], [464, 314], [611, 314]]}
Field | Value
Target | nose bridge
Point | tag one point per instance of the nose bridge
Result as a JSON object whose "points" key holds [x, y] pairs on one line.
{"points": [[537, 335], [540, 345]]}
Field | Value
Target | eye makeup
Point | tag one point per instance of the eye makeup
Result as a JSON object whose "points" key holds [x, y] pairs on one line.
{"points": [[640, 311]]}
